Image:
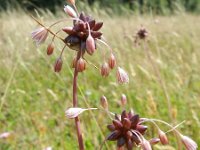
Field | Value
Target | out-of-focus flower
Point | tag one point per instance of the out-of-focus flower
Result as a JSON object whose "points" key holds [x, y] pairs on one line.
{"points": [[39, 35], [48, 148], [71, 2], [122, 76], [105, 69], [123, 100], [74, 112], [145, 145], [104, 102], [70, 11], [5, 135], [188, 143]]}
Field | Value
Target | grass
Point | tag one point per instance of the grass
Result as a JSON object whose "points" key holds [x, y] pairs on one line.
{"points": [[33, 98]]}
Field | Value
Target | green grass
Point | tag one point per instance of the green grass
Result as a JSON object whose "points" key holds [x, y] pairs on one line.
{"points": [[33, 98]]}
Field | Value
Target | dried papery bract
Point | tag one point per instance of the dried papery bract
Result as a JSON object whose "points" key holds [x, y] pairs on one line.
{"points": [[163, 137], [70, 11], [105, 69], [189, 143]]}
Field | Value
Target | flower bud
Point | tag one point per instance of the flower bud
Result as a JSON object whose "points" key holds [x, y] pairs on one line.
{"points": [[104, 102], [50, 49], [163, 138], [74, 62], [145, 145], [105, 69], [154, 141], [70, 11], [58, 65], [112, 61], [90, 45], [122, 76], [81, 65], [188, 143], [74, 112], [117, 124], [71, 2], [123, 100], [127, 123]]}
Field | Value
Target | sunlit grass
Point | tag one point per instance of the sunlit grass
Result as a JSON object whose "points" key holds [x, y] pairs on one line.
{"points": [[33, 98]]}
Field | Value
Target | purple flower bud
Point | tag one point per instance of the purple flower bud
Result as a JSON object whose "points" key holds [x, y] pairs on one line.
{"points": [[58, 65], [90, 45], [122, 76], [74, 61], [81, 65], [163, 138], [50, 49], [105, 70], [70, 11], [112, 61], [104, 102]]}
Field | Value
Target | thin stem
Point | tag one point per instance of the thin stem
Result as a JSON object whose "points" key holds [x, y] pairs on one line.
{"points": [[75, 104], [162, 83]]}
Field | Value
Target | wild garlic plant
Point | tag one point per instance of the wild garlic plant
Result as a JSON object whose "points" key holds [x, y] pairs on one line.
{"points": [[82, 37], [129, 129]]}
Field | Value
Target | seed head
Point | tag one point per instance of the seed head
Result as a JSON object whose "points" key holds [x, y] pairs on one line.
{"points": [[81, 65], [58, 65], [50, 49], [163, 138], [105, 69], [112, 61]]}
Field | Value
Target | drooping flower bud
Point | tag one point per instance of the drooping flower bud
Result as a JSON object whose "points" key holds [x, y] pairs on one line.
{"points": [[105, 69], [71, 2], [123, 100], [81, 65], [112, 61], [163, 138], [70, 11], [74, 62], [189, 143], [50, 49], [145, 145], [154, 141], [74, 112], [90, 45], [104, 102], [58, 65], [122, 76]]}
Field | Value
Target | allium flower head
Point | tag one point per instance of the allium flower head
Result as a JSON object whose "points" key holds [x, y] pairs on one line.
{"points": [[126, 130], [39, 35]]}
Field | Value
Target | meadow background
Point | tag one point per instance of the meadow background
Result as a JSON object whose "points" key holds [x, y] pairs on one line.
{"points": [[33, 97]]}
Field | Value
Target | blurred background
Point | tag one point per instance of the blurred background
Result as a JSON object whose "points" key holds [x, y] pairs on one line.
{"points": [[33, 98]]}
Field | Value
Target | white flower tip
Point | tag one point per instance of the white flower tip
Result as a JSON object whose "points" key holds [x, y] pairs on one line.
{"points": [[122, 76], [70, 11], [74, 112]]}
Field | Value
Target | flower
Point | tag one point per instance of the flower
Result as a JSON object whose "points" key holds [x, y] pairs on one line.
{"points": [[5, 135], [127, 130], [70, 11], [39, 35], [85, 29], [145, 145], [188, 143], [163, 138], [74, 112], [122, 76]]}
